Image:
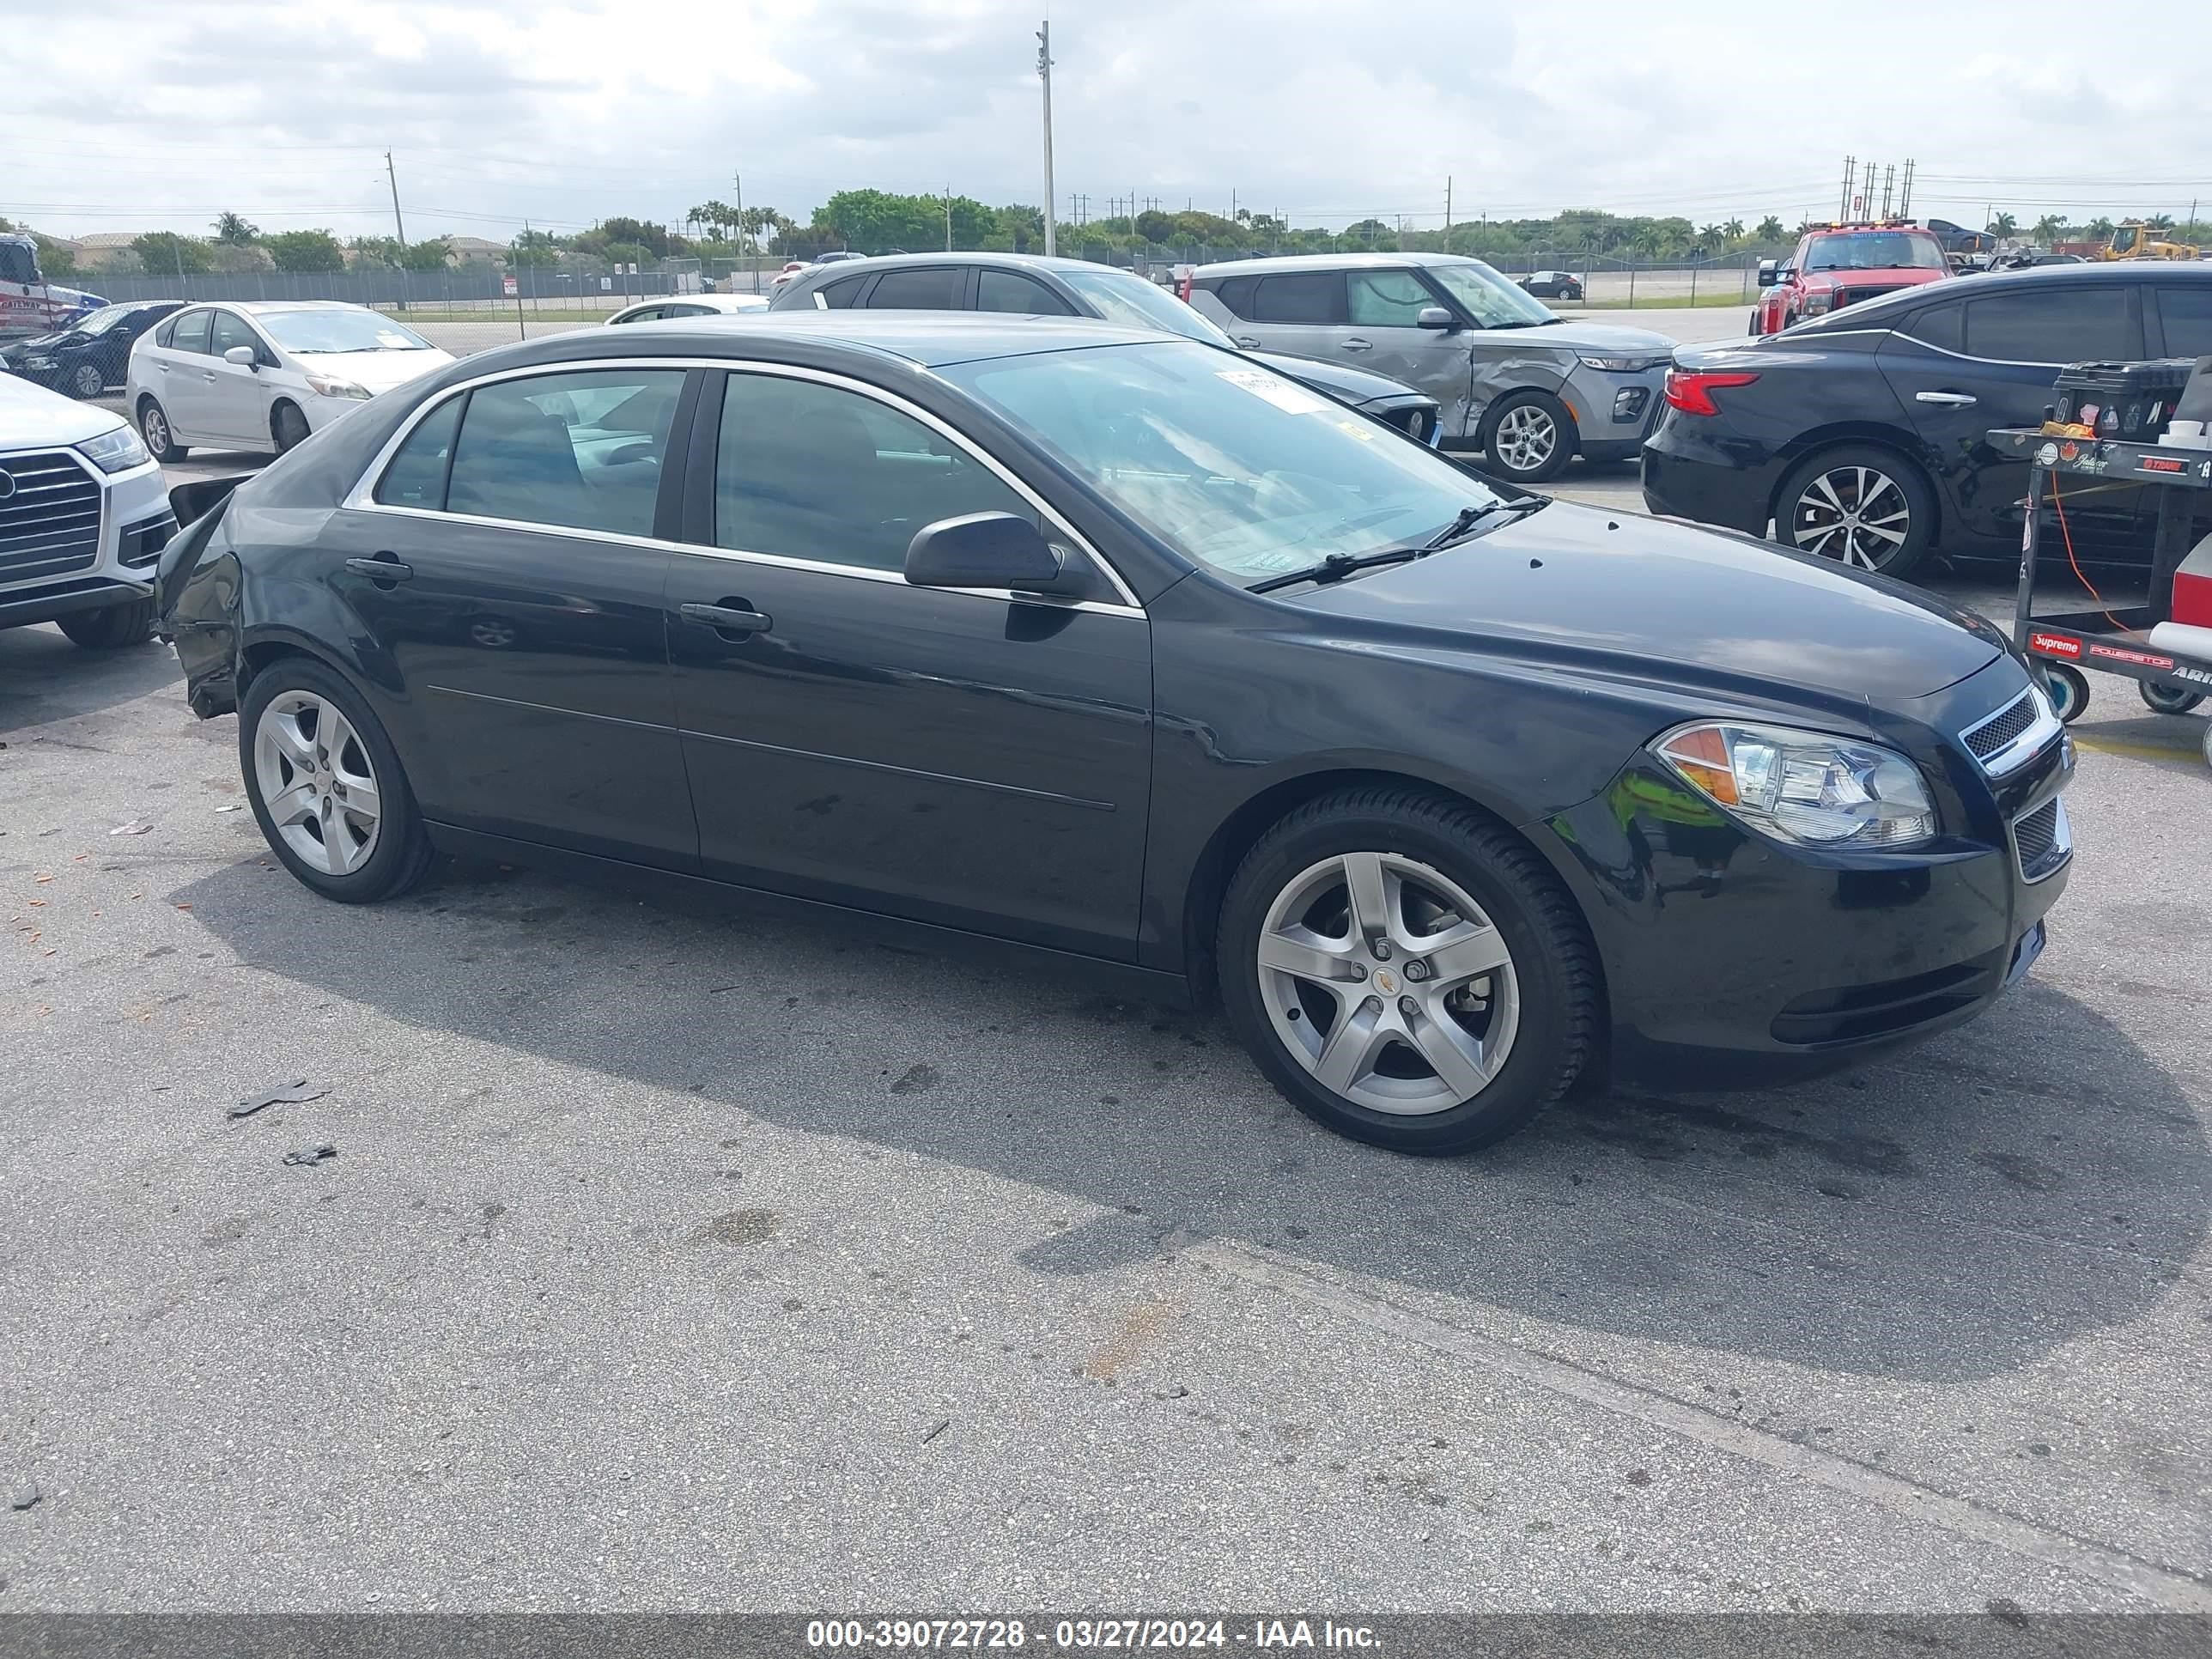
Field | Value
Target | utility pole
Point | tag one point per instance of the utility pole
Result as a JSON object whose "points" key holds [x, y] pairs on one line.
{"points": [[1044, 72], [1448, 213], [398, 223], [948, 218]]}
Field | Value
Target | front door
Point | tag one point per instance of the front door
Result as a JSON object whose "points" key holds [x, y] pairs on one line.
{"points": [[1988, 359], [973, 760], [236, 409], [1383, 308], [523, 624]]}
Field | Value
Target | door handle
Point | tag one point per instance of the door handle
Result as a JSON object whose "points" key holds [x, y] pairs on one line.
{"points": [[1355, 343], [731, 617], [384, 567], [1948, 399], [1250, 341]]}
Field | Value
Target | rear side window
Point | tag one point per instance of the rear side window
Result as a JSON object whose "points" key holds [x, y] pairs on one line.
{"points": [[2186, 309], [927, 288], [1939, 325], [650, 314], [836, 296], [2069, 324], [1314, 297], [1009, 290], [191, 331], [1235, 294], [582, 451], [416, 477]]}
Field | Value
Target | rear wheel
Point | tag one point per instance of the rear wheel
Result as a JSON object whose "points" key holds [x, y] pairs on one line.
{"points": [[327, 786], [1528, 436], [153, 427], [110, 628], [87, 382], [2068, 688], [1859, 505], [288, 427], [2169, 699], [1407, 972]]}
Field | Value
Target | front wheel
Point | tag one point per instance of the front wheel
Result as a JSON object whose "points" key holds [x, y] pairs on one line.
{"points": [[86, 382], [326, 786], [1859, 505], [288, 427], [1407, 972], [1529, 436], [111, 627]]}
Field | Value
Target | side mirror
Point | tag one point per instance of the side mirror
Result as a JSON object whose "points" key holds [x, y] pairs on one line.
{"points": [[1435, 317], [1766, 273], [985, 549], [244, 356]]}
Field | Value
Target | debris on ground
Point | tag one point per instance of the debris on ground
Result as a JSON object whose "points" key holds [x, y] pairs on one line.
{"points": [[235, 806], [942, 1423], [307, 1155], [25, 1493], [297, 1092], [135, 827]]}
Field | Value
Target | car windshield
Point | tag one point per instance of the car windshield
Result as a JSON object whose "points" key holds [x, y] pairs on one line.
{"points": [[1121, 298], [1488, 298], [310, 332], [1227, 463], [1874, 250], [101, 320]]}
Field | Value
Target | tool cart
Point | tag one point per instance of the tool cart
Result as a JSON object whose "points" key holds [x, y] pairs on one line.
{"points": [[2163, 644]]}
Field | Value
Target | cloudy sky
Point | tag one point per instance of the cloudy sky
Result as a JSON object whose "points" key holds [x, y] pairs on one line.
{"points": [[137, 114]]}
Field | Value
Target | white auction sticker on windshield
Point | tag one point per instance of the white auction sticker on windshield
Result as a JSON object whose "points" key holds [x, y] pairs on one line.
{"points": [[396, 342], [1291, 399]]}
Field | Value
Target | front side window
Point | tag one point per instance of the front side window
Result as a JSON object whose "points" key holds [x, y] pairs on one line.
{"points": [[926, 288], [192, 333], [1235, 467], [644, 314], [1387, 299], [230, 329], [416, 477], [583, 451], [1488, 298], [2073, 323], [1315, 298], [1011, 291], [805, 470]]}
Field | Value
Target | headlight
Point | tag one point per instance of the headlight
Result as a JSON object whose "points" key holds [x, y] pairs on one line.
{"points": [[1817, 303], [115, 452], [38, 363], [1625, 365], [1804, 787], [329, 386]]}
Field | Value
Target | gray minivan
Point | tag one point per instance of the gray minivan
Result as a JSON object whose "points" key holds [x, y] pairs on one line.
{"points": [[1529, 388]]}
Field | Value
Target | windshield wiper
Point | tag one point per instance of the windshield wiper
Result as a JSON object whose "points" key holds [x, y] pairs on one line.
{"points": [[1337, 565]]}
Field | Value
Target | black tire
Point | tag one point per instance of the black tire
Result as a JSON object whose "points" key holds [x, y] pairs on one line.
{"points": [[86, 382], [111, 627], [1557, 985], [2068, 688], [402, 853], [1567, 438], [288, 427], [153, 427], [2169, 699], [1807, 518]]}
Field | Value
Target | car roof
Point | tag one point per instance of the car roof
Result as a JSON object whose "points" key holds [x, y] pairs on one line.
{"points": [[927, 339], [1004, 260], [1294, 262], [711, 301], [270, 307], [1874, 312]]}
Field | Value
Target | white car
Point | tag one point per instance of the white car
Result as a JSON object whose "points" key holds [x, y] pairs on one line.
{"points": [[83, 518], [688, 305], [262, 374]]}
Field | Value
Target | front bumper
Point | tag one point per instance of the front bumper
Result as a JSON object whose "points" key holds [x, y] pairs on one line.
{"points": [[135, 524], [1730, 959], [1614, 411]]}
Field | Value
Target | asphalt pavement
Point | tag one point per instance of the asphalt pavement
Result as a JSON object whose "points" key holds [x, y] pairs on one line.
{"points": [[676, 1257]]}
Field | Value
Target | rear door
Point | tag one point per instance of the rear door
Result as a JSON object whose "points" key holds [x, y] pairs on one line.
{"points": [[920, 288], [178, 377], [1992, 359], [522, 624], [2184, 316], [1301, 313]]}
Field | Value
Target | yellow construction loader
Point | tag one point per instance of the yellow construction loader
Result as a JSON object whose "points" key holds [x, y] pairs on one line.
{"points": [[2134, 239]]}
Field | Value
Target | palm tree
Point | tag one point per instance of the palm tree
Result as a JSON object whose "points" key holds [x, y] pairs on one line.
{"points": [[2159, 221], [2047, 229], [1732, 230], [2100, 227], [2002, 224], [1770, 229], [232, 231]]}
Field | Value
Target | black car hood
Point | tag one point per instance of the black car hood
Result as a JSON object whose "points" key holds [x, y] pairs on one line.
{"points": [[33, 342], [1637, 594], [1352, 385]]}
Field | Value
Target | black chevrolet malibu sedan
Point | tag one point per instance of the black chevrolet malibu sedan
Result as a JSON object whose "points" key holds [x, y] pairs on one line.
{"points": [[1089, 640]]}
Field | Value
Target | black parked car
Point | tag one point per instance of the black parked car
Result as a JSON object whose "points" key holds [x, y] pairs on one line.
{"points": [[89, 356], [1102, 643], [1859, 434], [1553, 284], [1027, 284]]}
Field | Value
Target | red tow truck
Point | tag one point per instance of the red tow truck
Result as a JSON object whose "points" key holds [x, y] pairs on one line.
{"points": [[1835, 265], [30, 304]]}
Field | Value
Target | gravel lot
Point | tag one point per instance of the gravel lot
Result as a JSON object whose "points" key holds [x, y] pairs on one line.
{"points": [[681, 1258]]}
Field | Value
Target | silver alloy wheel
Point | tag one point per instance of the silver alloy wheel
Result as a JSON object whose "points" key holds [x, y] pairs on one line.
{"points": [[90, 382], [155, 426], [1526, 437], [1384, 979], [315, 779], [1856, 514]]}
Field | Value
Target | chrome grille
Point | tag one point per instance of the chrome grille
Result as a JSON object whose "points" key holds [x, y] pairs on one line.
{"points": [[2042, 840], [2002, 727], [2015, 734], [49, 516]]}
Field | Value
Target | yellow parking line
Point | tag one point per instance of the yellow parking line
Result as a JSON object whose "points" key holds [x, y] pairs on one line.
{"points": [[2152, 751]]}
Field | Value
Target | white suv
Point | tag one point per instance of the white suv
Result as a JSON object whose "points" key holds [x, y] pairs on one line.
{"points": [[83, 518], [262, 374]]}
